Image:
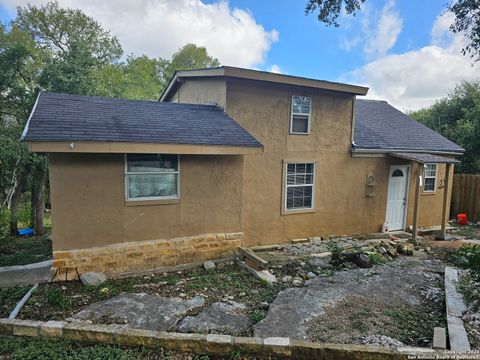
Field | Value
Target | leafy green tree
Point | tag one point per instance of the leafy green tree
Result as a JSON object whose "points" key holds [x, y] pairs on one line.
{"points": [[143, 78], [188, 57], [457, 117], [330, 10], [18, 89], [76, 46], [467, 18], [45, 48], [467, 21]]}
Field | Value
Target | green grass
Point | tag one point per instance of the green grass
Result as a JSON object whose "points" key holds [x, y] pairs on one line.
{"points": [[21, 250], [41, 349]]}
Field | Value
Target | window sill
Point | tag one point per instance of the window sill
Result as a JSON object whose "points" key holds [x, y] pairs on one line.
{"points": [[151, 202], [298, 133], [426, 193], [299, 211]]}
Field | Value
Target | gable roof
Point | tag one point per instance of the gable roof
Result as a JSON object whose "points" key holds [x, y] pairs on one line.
{"points": [[380, 126], [64, 117], [241, 73]]}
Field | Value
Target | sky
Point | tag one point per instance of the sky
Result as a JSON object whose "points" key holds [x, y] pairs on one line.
{"points": [[402, 49]]}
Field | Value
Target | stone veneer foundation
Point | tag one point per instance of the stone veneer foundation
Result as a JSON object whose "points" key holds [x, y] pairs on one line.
{"points": [[142, 256]]}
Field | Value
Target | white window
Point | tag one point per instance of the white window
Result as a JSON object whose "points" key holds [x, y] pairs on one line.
{"points": [[299, 186], [430, 177], [151, 176], [300, 120]]}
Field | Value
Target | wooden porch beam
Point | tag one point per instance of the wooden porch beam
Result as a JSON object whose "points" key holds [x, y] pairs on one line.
{"points": [[419, 175], [445, 211]]}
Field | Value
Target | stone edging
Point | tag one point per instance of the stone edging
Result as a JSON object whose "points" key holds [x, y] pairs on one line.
{"points": [[199, 343], [455, 307]]}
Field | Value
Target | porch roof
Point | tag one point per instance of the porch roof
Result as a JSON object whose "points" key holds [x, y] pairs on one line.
{"points": [[425, 158]]}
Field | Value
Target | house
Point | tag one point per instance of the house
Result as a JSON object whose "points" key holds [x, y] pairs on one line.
{"points": [[230, 157]]}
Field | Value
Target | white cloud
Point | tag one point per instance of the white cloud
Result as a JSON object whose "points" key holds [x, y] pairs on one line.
{"points": [[417, 78], [385, 33], [275, 69], [376, 30], [160, 27]]}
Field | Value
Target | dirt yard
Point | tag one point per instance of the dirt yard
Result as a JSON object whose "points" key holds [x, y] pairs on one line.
{"points": [[397, 301]]}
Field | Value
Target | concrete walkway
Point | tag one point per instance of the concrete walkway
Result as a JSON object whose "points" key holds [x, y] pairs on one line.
{"points": [[25, 274]]}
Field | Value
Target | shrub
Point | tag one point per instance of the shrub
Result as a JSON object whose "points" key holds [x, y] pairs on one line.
{"points": [[334, 248], [468, 257], [376, 258]]}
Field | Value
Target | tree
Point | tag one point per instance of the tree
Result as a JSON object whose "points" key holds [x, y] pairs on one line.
{"points": [[329, 10], [18, 89], [467, 18], [45, 48], [188, 57], [76, 46], [467, 21], [457, 118]]}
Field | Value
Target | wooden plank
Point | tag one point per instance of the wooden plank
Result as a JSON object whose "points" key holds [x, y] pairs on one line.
{"points": [[445, 200], [252, 259], [415, 204]]}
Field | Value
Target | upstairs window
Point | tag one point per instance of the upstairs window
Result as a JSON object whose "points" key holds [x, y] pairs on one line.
{"points": [[299, 191], [151, 176], [430, 178], [300, 120]]}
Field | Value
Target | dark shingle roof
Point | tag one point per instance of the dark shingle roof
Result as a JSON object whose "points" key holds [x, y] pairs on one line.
{"points": [[63, 117], [378, 125]]}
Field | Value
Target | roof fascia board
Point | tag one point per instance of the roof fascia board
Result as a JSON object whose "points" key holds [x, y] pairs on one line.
{"points": [[249, 74], [139, 148], [293, 80], [423, 151], [25, 129]]}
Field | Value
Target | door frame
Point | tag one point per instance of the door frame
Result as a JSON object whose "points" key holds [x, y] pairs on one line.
{"points": [[407, 193]]}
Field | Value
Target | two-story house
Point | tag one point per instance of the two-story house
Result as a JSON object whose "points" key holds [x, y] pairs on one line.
{"points": [[230, 157]]}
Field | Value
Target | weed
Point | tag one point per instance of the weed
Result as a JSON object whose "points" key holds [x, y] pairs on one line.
{"points": [[172, 280], [334, 247], [9, 297], [235, 355], [257, 315], [468, 257], [56, 298], [17, 348], [376, 258]]}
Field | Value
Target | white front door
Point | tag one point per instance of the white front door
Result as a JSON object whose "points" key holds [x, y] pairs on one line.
{"points": [[397, 197]]}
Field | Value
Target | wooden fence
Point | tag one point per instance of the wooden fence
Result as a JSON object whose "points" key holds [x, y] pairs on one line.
{"points": [[466, 196]]}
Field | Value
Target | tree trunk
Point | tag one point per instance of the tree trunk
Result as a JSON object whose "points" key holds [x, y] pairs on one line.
{"points": [[38, 199], [15, 197]]}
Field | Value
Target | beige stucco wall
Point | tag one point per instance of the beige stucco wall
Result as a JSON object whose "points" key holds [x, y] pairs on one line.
{"points": [[341, 204], [201, 91], [89, 209]]}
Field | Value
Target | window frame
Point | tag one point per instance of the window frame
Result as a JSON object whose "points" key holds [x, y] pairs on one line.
{"points": [[301, 114], [286, 186], [425, 177], [150, 198]]}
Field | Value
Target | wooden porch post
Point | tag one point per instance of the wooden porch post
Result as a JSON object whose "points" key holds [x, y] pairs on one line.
{"points": [[445, 212], [415, 205]]}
